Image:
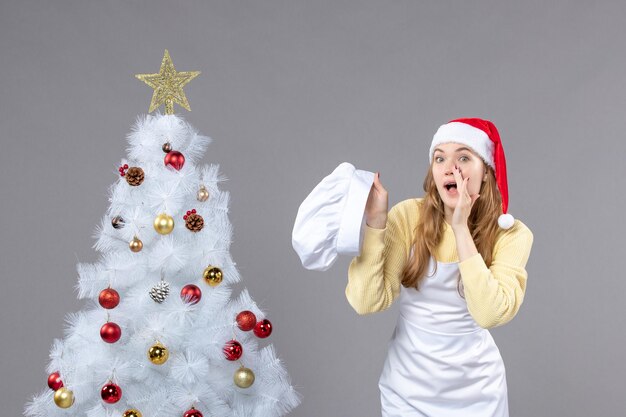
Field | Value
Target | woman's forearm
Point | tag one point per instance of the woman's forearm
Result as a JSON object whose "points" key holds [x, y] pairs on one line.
{"points": [[465, 246]]}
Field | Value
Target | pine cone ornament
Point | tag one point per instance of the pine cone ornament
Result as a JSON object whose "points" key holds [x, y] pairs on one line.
{"points": [[160, 291], [193, 221], [134, 176]]}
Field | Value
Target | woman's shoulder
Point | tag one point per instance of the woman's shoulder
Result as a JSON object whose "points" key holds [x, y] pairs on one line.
{"points": [[406, 212], [519, 232], [409, 207], [409, 203], [517, 228]]}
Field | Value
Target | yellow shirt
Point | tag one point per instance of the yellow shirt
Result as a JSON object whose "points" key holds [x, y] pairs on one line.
{"points": [[493, 295]]}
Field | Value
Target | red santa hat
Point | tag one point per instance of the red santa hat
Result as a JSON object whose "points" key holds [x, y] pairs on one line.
{"points": [[483, 137]]}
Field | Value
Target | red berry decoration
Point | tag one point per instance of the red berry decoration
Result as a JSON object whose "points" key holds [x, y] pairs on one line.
{"points": [[111, 393], [123, 169], [175, 159], [232, 350], [263, 329], [192, 413], [54, 381], [109, 298], [110, 332], [246, 320], [190, 294]]}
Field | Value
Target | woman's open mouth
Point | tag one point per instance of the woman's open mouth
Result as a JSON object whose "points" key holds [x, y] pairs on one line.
{"points": [[451, 188]]}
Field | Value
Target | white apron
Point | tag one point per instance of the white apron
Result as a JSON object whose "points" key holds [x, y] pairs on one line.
{"points": [[440, 362]]}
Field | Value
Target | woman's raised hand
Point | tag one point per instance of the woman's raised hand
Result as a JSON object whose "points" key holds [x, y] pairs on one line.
{"points": [[464, 203], [377, 205]]}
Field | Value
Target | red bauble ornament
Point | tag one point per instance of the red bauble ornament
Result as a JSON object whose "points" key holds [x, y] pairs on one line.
{"points": [[192, 413], [263, 328], [54, 381], [111, 393], [191, 294], [110, 332], [109, 298], [175, 159], [232, 350], [246, 320]]}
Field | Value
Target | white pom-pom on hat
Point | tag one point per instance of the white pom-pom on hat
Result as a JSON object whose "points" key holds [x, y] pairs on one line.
{"points": [[505, 221]]}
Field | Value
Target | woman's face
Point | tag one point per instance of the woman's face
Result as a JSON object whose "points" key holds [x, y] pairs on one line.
{"points": [[445, 158]]}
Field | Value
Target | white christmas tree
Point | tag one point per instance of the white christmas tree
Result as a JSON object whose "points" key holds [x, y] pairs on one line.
{"points": [[161, 334]]}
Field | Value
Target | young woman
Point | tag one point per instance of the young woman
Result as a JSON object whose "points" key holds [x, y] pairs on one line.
{"points": [[456, 261]]}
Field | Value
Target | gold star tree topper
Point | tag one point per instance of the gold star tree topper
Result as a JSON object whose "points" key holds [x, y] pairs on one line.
{"points": [[168, 85]]}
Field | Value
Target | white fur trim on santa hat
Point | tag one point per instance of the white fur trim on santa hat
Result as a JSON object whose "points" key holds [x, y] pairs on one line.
{"points": [[465, 134]]}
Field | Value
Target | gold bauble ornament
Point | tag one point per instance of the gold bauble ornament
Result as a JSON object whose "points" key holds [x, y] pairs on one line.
{"points": [[131, 413], [135, 244], [244, 377], [158, 354], [213, 275], [203, 194], [63, 397], [164, 224]]}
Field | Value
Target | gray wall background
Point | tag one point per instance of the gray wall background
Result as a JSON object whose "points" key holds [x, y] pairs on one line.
{"points": [[288, 90]]}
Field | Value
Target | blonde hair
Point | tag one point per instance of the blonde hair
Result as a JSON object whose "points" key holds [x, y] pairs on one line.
{"points": [[482, 222]]}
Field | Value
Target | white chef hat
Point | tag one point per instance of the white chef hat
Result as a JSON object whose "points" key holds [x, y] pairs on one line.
{"points": [[330, 220]]}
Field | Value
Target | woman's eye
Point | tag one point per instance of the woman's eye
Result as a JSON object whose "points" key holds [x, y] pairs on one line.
{"points": [[464, 158], [438, 159]]}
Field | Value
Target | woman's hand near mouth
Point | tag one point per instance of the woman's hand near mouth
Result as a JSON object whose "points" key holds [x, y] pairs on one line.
{"points": [[464, 202]]}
